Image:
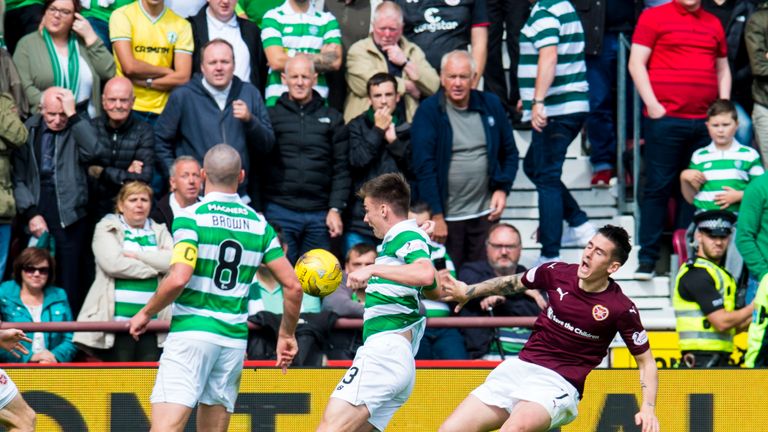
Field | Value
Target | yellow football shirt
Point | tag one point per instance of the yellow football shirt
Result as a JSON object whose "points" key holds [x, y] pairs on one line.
{"points": [[154, 41]]}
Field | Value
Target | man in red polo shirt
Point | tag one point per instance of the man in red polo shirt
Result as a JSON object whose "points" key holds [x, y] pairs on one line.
{"points": [[680, 66]]}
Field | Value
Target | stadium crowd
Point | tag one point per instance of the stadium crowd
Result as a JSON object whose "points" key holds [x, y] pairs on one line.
{"points": [[107, 108]]}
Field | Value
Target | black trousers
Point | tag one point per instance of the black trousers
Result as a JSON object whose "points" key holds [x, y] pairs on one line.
{"points": [[509, 14]]}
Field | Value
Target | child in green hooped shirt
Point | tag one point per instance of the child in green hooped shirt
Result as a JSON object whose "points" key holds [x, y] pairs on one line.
{"points": [[254, 10]]}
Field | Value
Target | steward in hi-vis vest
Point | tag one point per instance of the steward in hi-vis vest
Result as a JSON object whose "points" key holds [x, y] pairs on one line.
{"points": [[705, 296]]}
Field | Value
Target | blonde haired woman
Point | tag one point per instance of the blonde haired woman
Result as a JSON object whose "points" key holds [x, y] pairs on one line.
{"points": [[132, 252]]}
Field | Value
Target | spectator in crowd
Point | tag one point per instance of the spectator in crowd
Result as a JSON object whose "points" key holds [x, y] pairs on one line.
{"points": [[254, 10], [50, 185], [719, 173], [603, 22], [217, 20], [553, 89], [503, 247], [21, 18], [64, 52], [185, 181], [310, 143], [439, 27], [733, 15], [13, 135], [349, 303], [354, 18], [506, 16], [297, 27], [127, 147], [379, 142], [186, 8], [387, 51], [444, 343], [676, 103], [756, 41], [132, 253], [31, 297], [705, 296], [212, 108], [97, 12], [752, 235], [463, 175], [10, 81], [153, 47]]}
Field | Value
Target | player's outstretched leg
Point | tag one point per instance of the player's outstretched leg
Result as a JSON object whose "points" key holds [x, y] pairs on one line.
{"points": [[17, 415], [342, 416], [527, 416], [472, 415]]}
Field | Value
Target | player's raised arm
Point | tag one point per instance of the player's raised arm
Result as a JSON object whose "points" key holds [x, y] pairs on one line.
{"points": [[649, 382], [457, 291], [287, 347]]}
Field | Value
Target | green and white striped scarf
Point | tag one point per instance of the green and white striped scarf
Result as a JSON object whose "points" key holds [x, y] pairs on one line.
{"points": [[70, 79]]}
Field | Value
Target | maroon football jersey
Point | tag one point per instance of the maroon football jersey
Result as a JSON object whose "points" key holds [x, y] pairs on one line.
{"points": [[571, 336]]}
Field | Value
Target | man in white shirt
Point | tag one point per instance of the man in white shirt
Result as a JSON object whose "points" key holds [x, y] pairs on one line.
{"points": [[218, 21]]}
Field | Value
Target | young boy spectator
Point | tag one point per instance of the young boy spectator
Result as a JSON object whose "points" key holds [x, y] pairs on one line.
{"points": [[719, 172]]}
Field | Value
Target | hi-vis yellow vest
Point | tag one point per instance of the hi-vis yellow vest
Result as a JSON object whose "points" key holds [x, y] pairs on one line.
{"points": [[695, 331]]}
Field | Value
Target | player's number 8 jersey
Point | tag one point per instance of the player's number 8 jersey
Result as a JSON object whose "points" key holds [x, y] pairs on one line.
{"points": [[224, 241]]}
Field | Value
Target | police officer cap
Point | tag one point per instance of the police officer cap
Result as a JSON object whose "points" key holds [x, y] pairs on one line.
{"points": [[715, 222]]}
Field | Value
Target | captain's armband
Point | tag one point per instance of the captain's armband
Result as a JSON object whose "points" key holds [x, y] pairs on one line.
{"points": [[184, 253]]}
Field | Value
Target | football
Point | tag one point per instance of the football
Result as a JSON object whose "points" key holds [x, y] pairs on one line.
{"points": [[319, 272]]}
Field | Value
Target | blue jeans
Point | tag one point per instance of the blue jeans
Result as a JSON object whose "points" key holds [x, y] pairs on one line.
{"points": [[101, 28], [543, 164], [442, 344], [601, 123], [5, 243], [303, 230], [669, 144]]}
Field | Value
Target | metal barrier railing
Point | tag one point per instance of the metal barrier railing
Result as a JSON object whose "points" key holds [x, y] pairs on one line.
{"points": [[341, 323], [621, 135]]}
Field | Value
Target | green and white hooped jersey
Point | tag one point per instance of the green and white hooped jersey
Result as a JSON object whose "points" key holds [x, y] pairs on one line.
{"points": [[391, 306], [230, 241], [436, 308], [132, 294]]}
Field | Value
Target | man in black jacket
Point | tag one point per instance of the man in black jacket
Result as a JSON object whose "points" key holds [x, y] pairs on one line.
{"points": [[50, 186], [126, 144], [305, 177], [218, 20], [379, 143]]}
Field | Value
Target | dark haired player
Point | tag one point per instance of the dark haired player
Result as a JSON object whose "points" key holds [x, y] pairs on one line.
{"points": [[540, 389]]}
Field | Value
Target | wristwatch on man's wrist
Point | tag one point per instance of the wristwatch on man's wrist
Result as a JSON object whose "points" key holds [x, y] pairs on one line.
{"points": [[537, 101], [149, 82]]}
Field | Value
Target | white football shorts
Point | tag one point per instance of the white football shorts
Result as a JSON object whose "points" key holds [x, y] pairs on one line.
{"points": [[515, 380], [381, 377], [193, 371]]}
